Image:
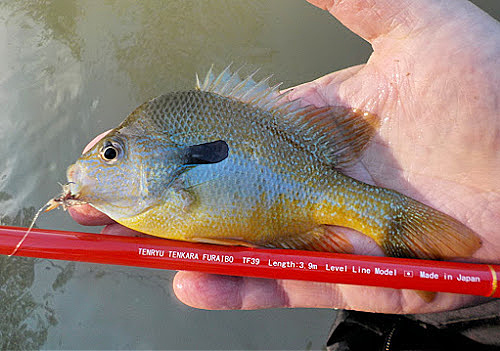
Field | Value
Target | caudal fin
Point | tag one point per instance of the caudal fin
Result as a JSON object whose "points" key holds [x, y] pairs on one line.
{"points": [[422, 232]]}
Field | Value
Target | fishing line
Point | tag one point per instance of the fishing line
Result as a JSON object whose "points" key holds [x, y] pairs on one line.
{"points": [[29, 228]]}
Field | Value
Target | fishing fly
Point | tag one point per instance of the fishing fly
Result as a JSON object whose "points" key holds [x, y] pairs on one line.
{"points": [[65, 199]]}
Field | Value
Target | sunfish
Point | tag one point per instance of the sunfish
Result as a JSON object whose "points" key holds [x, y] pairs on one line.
{"points": [[234, 162]]}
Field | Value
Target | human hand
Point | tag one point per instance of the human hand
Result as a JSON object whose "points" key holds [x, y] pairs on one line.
{"points": [[433, 79]]}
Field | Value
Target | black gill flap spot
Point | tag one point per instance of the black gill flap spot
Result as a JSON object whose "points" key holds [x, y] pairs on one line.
{"points": [[213, 152]]}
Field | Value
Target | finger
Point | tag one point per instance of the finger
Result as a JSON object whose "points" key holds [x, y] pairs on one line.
{"points": [[215, 292], [218, 292], [118, 229], [88, 215], [362, 244], [371, 19]]}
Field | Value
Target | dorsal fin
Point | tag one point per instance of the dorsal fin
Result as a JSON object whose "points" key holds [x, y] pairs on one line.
{"points": [[336, 134]]}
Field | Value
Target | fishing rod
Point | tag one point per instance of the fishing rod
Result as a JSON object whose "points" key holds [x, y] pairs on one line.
{"points": [[397, 273]]}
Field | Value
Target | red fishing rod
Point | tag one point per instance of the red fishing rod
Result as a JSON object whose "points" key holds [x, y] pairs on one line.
{"points": [[397, 273]]}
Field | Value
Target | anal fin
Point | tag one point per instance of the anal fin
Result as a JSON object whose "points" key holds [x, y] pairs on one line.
{"points": [[321, 238], [223, 241]]}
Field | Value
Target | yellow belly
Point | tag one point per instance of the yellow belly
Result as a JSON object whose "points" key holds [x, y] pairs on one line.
{"points": [[257, 224]]}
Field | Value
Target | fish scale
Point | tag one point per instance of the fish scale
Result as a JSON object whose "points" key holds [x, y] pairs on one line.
{"points": [[235, 162]]}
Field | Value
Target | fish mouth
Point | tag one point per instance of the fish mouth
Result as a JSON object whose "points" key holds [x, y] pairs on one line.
{"points": [[68, 197], [71, 191]]}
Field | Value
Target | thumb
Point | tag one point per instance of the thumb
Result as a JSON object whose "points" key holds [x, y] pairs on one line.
{"points": [[395, 19]]}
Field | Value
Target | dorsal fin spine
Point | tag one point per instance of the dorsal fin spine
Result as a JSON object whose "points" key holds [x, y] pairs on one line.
{"points": [[198, 85], [265, 93], [208, 78], [251, 91], [234, 77], [235, 91], [238, 87], [220, 77]]}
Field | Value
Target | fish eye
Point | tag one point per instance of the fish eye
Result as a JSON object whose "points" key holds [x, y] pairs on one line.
{"points": [[110, 152]]}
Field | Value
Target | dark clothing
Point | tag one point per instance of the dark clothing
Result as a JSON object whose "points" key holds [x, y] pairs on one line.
{"points": [[471, 328]]}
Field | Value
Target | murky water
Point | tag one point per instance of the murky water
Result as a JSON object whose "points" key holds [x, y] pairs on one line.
{"points": [[72, 69]]}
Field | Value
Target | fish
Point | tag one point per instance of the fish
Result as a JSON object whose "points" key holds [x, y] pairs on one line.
{"points": [[236, 162]]}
